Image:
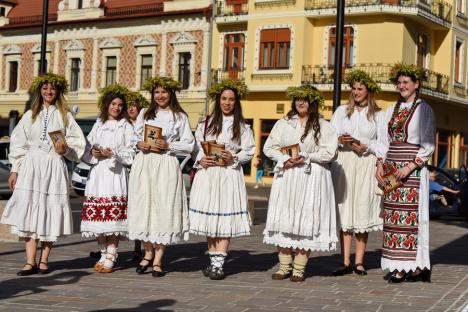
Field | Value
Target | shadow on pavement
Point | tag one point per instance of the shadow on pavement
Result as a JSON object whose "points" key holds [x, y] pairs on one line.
{"points": [[34, 284], [55, 246], [150, 306], [455, 252]]}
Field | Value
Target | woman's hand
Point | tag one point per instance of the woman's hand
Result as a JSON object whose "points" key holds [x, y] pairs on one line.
{"points": [[227, 157], [12, 180], [60, 148], [288, 164], [106, 153], [403, 172], [358, 148], [379, 174], [298, 161], [96, 152], [207, 162], [143, 146], [161, 144], [345, 139]]}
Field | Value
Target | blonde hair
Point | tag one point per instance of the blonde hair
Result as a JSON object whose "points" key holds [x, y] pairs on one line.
{"points": [[60, 104], [372, 109]]}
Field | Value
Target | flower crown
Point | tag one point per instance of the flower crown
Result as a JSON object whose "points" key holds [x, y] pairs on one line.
{"points": [[238, 86], [134, 97], [164, 82], [56, 80], [306, 92], [117, 90], [410, 70], [357, 75]]}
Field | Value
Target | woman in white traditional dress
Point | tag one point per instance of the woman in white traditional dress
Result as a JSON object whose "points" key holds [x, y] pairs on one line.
{"points": [[104, 213], [409, 146], [218, 200], [39, 209], [301, 211], [357, 194], [157, 200]]}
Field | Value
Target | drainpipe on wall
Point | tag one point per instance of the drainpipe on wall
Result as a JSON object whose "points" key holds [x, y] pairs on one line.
{"points": [[210, 53]]}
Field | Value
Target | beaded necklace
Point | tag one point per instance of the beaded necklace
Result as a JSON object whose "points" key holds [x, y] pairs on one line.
{"points": [[46, 123]]}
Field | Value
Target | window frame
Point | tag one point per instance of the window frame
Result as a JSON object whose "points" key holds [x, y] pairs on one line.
{"points": [[348, 45], [184, 69], [75, 74], [16, 76], [269, 48], [112, 71]]}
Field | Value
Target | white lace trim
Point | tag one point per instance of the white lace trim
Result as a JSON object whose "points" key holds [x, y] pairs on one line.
{"points": [[301, 242], [89, 234], [160, 238], [42, 238], [372, 228], [401, 266]]}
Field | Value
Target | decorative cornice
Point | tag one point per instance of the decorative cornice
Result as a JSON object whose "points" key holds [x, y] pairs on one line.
{"points": [[183, 38], [110, 43], [12, 49], [145, 41], [37, 48], [74, 45]]}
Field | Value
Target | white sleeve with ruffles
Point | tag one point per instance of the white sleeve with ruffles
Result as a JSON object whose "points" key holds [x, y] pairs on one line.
{"points": [[272, 147], [247, 148], [198, 150], [125, 153], [378, 145], [327, 145], [75, 140], [19, 142], [91, 140], [138, 129], [186, 140], [337, 120], [427, 133]]}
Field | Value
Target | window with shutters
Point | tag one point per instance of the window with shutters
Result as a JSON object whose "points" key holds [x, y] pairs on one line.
{"points": [[275, 47], [348, 46], [233, 54]]}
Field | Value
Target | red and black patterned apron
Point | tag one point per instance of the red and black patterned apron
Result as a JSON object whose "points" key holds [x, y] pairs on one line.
{"points": [[401, 206]]}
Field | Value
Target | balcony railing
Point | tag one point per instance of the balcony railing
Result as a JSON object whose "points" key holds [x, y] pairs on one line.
{"points": [[223, 9], [132, 10], [323, 75], [220, 74], [436, 8]]}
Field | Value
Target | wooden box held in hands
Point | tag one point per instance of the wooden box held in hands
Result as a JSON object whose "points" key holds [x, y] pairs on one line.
{"points": [[291, 150], [391, 183], [152, 134], [206, 146], [215, 152], [58, 137]]}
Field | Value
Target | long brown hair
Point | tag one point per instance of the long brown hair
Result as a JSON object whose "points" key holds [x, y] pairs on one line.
{"points": [[216, 125], [372, 107], [312, 120], [60, 103], [104, 114], [173, 105]]}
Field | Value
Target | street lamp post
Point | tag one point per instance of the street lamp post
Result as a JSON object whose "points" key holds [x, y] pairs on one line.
{"points": [[45, 21], [338, 53]]}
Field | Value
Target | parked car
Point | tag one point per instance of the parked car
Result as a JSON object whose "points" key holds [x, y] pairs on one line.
{"points": [[456, 179], [81, 172]]}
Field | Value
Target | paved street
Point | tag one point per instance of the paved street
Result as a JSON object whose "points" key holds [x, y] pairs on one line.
{"points": [[73, 286]]}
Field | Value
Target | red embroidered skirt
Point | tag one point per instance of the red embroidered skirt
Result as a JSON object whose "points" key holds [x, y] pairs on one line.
{"points": [[400, 230]]}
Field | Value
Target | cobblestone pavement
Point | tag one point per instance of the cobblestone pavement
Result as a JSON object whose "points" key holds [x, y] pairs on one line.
{"points": [[73, 286]]}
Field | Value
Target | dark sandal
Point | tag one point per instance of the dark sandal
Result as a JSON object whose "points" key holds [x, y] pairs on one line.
{"points": [[31, 271], [421, 276], [394, 279], [358, 271], [343, 270], [155, 273], [140, 269], [43, 271], [278, 276]]}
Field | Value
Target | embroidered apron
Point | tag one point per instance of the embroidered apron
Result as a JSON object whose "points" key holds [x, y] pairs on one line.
{"points": [[401, 206]]}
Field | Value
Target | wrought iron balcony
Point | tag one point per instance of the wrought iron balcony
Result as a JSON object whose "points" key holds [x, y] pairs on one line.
{"points": [[436, 84], [436, 9], [220, 74], [224, 9]]}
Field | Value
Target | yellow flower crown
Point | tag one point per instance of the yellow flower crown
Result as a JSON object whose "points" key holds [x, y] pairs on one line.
{"points": [[117, 90], [57, 81], [410, 70], [238, 86], [357, 75], [306, 92], [164, 82], [134, 97]]}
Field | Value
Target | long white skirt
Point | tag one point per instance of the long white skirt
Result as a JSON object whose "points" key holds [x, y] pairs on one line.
{"points": [[423, 253], [301, 210], [357, 194], [218, 203], [157, 202], [105, 204], [39, 207]]}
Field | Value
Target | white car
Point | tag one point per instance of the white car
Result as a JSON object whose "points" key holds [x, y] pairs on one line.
{"points": [[81, 172]]}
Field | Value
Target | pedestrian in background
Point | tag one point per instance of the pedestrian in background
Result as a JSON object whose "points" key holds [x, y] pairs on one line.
{"points": [[301, 211], [260, 171], [218, 199], [109, 153], [409, 145], [157, 200], [39, 209], [357, 194]]}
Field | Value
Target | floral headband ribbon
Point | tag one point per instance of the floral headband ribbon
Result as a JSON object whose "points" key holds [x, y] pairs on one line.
{"points": [[306, 92], [357, 75], [57, 81], [163, 82], [135, 98], [410, 70], [238, 86], [117, 90]]}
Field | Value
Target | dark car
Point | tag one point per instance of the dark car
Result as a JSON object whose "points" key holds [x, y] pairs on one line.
{"points": [[456, 179]]}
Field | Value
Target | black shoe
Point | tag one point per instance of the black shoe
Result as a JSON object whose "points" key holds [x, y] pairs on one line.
{"points": [[95, 254], [43, 271], [422, 276], [206, 271], [360, 272], [394, 279], [155, 273], [217, 274], [140, 269], [31, 271], [342, 270]]}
